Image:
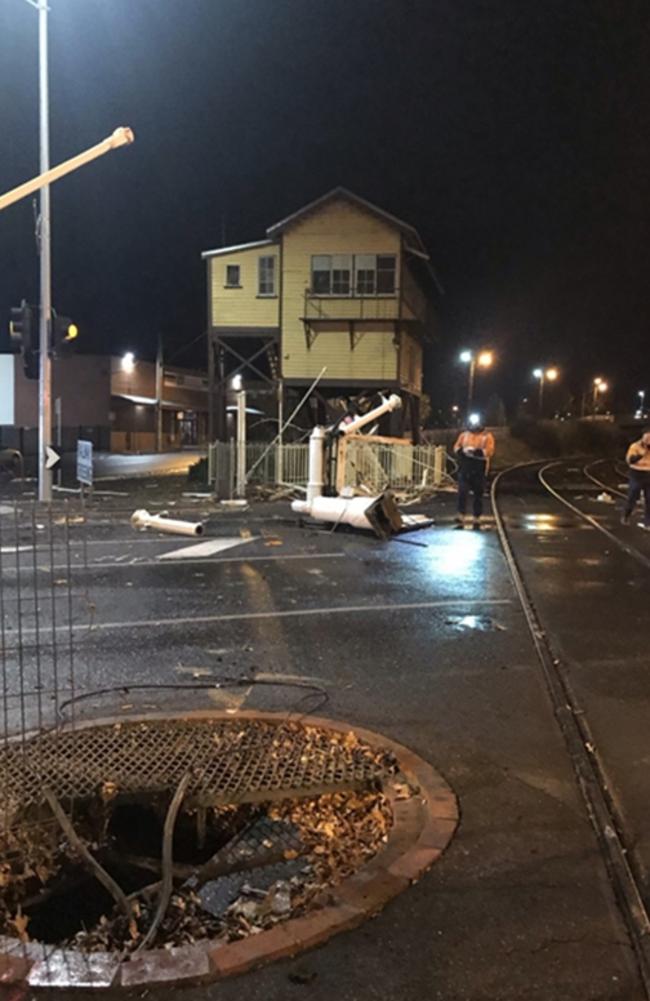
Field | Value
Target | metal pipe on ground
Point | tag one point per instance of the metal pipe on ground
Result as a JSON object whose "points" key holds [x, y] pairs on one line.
{"points": [[173, 526], [377, 514]]}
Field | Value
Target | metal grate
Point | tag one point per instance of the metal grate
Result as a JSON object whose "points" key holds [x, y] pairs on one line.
{"points": [[231, 761]]}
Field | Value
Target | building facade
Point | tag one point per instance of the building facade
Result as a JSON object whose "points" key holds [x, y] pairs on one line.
{"points": [[340, 289], [111, 401]]}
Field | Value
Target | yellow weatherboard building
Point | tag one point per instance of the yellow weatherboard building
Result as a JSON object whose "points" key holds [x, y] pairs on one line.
{"points": [[339, 285]]}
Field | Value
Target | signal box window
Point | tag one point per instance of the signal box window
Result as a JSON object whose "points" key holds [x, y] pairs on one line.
{"points": [[321, 274], [232, 276], [385, 274], [266, 276]]}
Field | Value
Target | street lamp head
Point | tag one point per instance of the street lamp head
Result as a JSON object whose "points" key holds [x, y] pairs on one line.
{"points": [[485, 359], [538, 373], [236, 382], [603, 386], [128, 361], [465, 357], [598, 381], [552, 374]]}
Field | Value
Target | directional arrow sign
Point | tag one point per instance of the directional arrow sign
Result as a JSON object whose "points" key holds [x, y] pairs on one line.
{"points": [[52, 458]]}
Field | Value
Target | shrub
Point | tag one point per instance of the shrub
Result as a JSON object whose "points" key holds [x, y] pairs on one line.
{"points": [[540, 436]]}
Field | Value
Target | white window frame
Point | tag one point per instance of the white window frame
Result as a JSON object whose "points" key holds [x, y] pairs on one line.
{"points": [[229, 284], [262, 263], [353, 264], [368, 264], [393, 257], [321, 269]]}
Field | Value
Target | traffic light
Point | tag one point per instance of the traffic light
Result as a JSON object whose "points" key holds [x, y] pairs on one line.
{"points": [[64, 335], [22, 337], [22, 334]]}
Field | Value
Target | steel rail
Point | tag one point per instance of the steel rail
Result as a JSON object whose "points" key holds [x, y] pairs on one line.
{"points": [[582, 753], [600, 483], [630, 550]]}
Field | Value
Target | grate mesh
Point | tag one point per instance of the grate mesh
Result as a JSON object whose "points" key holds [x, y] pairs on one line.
{"points": [[231, 761]]}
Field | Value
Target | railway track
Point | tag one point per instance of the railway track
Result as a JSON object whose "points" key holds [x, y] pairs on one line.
{"points": [[600, 803]]}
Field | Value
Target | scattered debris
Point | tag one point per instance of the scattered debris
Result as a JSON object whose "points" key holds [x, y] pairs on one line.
{"points": [[301, 976], [605, 498], [286, 855], [234, 504], [141, 519]]}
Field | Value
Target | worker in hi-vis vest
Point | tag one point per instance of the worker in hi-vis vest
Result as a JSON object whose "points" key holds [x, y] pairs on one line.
{"points": [[473, 450], [638, 460]]}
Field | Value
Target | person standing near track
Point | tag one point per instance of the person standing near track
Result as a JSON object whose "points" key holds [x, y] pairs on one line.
{"points": [[638, 459], [474, 449]]}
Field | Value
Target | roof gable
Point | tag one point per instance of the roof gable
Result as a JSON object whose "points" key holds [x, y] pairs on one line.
{"points": [[342, 194]]}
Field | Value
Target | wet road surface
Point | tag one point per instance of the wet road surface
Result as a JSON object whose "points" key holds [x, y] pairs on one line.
{"points": [[427, 644]]}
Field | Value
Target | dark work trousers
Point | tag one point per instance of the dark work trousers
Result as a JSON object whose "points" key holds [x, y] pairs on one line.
{"points": [[471, 481], [639, 484]]}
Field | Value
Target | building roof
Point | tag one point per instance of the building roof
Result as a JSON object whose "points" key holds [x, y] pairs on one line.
{"points": [[344, 193], [413, 244], [238, 246]]}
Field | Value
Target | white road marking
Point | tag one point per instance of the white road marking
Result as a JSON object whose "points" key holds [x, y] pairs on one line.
{"points": [[207, 548], [103, 563], [289, 613]]}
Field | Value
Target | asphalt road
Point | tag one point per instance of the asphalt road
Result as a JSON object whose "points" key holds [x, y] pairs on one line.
{"points": [[111, 465], [421, 638]]}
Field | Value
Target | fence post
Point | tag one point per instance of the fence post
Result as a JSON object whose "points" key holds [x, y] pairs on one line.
{"points": [[439, 463]]}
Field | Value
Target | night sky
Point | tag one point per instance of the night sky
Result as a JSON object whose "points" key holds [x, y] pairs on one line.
{"points": [[514, 136]]}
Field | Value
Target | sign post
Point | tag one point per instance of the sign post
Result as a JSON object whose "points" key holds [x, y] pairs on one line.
{"points": [[84, 464]]}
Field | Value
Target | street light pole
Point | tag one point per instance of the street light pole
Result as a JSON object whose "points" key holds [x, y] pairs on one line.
{"points": [[45, 315], [470, 389]]}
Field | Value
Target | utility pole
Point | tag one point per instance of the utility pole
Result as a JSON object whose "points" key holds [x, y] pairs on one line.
{"points": [[45, 315], [159, 393]]}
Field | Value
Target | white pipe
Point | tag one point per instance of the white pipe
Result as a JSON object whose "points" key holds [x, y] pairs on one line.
{"points": [[142, 519], [240, 483], [316, 463], [342, 510], [393, 402]]}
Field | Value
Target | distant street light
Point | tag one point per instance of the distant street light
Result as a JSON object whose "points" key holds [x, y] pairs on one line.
{"points": [[544, 375], [484, 359], [641, 408], [600, 386], [128, 362]]}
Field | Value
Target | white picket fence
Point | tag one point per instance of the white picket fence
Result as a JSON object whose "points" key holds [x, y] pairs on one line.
{"points": [[370, 466]]}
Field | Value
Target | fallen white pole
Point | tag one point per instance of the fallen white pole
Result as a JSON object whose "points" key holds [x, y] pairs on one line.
{"points": [[393, 402], [173, 526], [376, 514], [121, 137]]}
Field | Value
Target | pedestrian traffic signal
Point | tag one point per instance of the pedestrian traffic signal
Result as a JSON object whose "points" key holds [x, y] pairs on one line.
{"points": [[64, 335]]}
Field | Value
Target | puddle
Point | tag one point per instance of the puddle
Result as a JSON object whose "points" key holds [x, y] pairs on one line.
{"points": [[480, 623]]}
